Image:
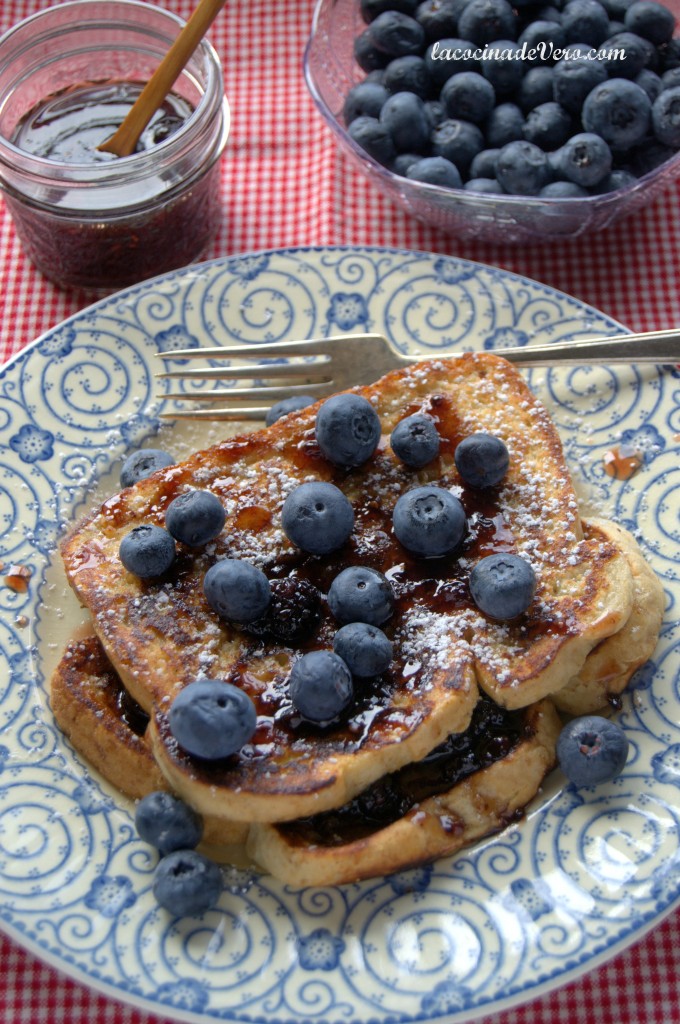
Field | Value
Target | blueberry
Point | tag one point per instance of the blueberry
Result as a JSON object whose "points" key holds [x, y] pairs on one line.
{"points": [[651, 20], [502, 586], [617, 179], [435, 170], [407, 74], [505, 124], [374, 138], [415, 440], [365, 649], [619, 111], [195, 517], [488, 185], [287, 405], [236, 590], [403, 114], [469, 96], [142, 464], [317, 517], [293, 613], [503, 66], [429, 521], [435, 112], [670, 79], [396, 34], [439, 18], [484, 164], [585, 159], [347, 430], [563, 190], [481, 459], [360, 594], [548, 125], [666, 117], [648, 156], [523, 168], [616, 9], [585, 21], [535, 88], [321, 686], [591, 750], [147, 551], [573, 78], [370, 9], [166, 822], [187, 884], [544, 37], [364, 100], [481, 21], [403, 161], [671, 55], [631, 55], [369, 57], [457, 141], [650, 82], [212, 719]]}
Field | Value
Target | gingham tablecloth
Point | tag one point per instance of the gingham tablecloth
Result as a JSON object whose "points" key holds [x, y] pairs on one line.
{"points": [[285, 184]]}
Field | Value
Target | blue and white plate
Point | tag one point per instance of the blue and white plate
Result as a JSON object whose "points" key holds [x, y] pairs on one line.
{"points": [[586, 873]]}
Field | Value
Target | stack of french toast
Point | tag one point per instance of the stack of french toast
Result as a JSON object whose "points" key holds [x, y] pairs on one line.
{"points": [[449, 744]]}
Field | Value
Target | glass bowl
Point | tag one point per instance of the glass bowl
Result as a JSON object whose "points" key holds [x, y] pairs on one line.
{"points": [[330, 72]]}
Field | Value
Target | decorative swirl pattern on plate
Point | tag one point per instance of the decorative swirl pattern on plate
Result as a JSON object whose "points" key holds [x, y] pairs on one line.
{"points": [[518, 914]]}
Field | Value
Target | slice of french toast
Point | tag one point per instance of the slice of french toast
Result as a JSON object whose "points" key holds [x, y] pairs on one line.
{"points": [[161, 635]]}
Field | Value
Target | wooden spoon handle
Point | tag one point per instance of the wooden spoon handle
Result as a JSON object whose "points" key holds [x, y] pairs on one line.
{"points": [[125, 138]]}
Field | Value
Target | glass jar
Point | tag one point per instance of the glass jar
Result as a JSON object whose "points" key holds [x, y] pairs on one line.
{"points": [[105, 225]]}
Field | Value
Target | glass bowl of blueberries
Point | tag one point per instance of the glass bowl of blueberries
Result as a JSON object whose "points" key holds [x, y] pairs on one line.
{"points": [[520, 121]]}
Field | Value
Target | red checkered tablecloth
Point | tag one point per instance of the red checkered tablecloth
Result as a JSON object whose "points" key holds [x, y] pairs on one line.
{"points": [[285, 184]]}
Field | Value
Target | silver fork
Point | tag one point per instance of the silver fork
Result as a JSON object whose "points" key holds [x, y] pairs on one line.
{"points": [[342, 361]]}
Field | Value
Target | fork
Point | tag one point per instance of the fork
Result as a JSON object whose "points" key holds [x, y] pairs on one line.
{"points": [[345, 360]]}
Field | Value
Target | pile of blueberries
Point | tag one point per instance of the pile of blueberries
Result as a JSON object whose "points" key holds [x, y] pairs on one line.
{"points": [[556, 99]]}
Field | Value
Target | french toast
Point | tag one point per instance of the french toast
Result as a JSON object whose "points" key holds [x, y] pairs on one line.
{"points": [[160, 635]]}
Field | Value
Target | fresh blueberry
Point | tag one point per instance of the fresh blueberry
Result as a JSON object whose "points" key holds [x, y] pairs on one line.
{"points": [[166, 822], [523, 168], [439, 18], [374, 138], [585, 159], [617, 179], [287, 405], [347, 430], [616, 9], [365, 99], [650, 20], [670, 79], [236, 590], [619, 111], [585, 21], [666, 117], [548, 126], [195, 517], [429, 521], [502, 586], [293, 613], [573, 78], [544, 37], [484, 164], [468, 96], [457, 141], [408, 74], [365, 649], [447, 57], [403, 161], [187, 884], [396, 34], [535, 88], [435, 111], [671, 55], [481, 459], [591, 750], [563, 190], [650, 82], [415, 440], [212, 719], [482, 21], [488, 185], [623, 55], [370, 9], [369, 57], [321, 686], [360, 594], [503, 66], [142, 464], [147, 551], [648, 156], [505, 124], [403, 114], [435, 170], [317, 517]]}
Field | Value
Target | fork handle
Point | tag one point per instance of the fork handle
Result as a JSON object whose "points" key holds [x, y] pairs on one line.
{"points": [[646, 347]]}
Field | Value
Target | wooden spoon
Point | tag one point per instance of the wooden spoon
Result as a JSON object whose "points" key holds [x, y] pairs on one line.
{"points": [[125, 138]]}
